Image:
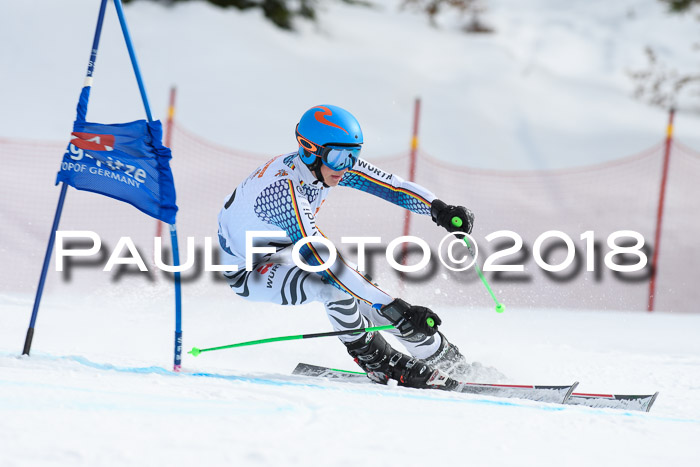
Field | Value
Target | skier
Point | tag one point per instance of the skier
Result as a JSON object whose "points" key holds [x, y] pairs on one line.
{"points": [[285, 194]]}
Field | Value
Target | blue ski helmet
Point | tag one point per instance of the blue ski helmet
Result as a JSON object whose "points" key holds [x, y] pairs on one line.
{"points": [[328, 135]]}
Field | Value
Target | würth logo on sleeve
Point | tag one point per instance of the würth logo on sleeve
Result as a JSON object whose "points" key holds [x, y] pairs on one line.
{"points": [[92, 141]]}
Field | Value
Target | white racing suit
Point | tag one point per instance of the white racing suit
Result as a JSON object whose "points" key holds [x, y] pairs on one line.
{"points": [[284, 195]]}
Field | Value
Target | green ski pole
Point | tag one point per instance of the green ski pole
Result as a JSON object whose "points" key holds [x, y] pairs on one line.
{"points": [[195, 351], [500, 308]]}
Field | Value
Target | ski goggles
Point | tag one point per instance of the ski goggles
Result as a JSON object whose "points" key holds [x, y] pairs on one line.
{"points": [[335, 157], [339, 157]]}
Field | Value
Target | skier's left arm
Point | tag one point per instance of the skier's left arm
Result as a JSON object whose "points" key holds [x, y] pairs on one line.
{"points": [[370, 179]]}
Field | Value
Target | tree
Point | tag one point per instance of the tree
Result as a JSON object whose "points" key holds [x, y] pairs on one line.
{"points": [[680, 6], [280, 12], [432, 8], [661, 85]]}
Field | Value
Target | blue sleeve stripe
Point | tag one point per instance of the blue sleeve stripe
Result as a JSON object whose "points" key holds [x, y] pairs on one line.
{"points": [[392, 188]]}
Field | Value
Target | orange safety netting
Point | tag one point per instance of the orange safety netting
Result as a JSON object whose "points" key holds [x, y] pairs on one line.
{"points": [[604, 198]]}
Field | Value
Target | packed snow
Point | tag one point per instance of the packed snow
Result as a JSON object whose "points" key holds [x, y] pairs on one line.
{"points": [[97, 389]]}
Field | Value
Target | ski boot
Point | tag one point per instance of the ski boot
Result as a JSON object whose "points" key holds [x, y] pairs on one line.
{"points": [[448, 359], [381, 362]]}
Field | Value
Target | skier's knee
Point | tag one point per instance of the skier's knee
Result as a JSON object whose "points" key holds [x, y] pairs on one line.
{"points": [[330, 294]]}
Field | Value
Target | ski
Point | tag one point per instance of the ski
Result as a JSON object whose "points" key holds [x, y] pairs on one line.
{"points": [[556, 394], [641, 403]]}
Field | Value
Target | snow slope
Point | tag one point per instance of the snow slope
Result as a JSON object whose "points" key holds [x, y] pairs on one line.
{"points": [[97, 391], [548, 90]]}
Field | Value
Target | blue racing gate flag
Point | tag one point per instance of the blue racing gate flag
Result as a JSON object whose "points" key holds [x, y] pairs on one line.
{"points": [[125, 161]]}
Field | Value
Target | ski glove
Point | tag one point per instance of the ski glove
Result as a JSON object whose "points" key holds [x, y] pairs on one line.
{"points": [[413, 322], [443, 214]]}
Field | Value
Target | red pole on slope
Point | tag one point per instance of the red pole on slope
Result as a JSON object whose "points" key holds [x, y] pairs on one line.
{"points": [[411, 173], [168, 138], [660, 211]]}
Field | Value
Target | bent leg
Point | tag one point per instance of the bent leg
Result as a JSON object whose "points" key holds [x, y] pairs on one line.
{"points": [[287, 284]]}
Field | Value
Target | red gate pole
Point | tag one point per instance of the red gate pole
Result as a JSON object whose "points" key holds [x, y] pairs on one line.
{"points": [[660, 211], [168, 139], [411, 173]]}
